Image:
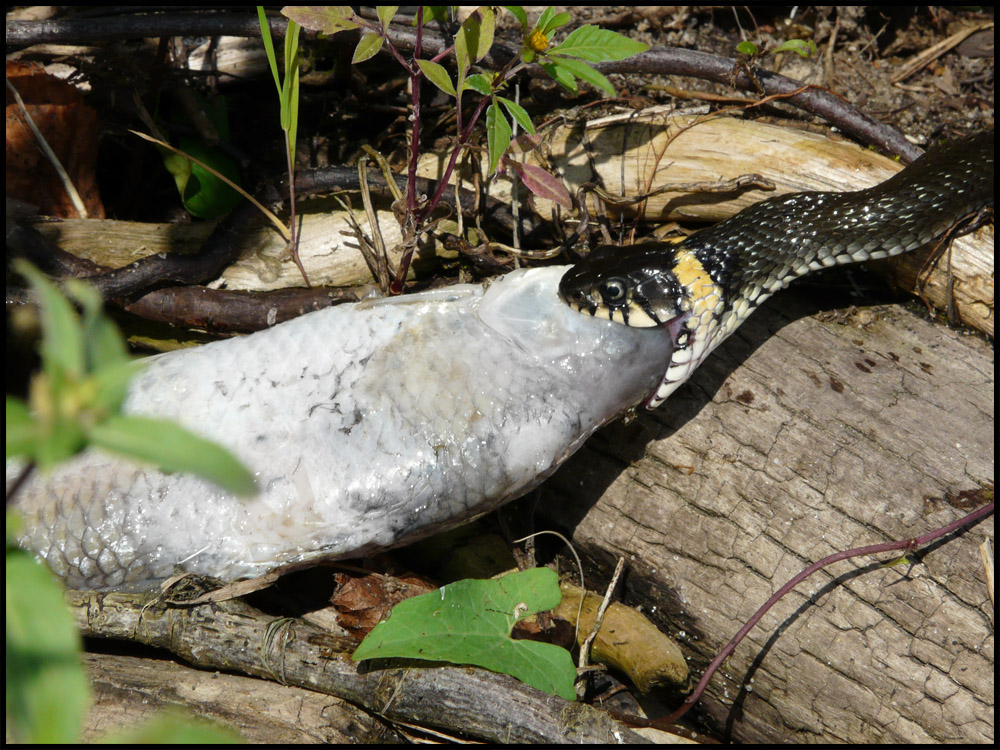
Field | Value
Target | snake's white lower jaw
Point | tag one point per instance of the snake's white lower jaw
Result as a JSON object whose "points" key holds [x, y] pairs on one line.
{"points": [[368, 426]]}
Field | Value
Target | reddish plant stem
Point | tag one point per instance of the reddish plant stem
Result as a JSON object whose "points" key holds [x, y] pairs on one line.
{"points": [[293, 240], [907, 544], [502, 77], [404, 263], [411, 181], [445, 179]]}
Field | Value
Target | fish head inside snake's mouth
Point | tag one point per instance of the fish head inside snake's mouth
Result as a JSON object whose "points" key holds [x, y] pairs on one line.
{"points": [[652, 284]]}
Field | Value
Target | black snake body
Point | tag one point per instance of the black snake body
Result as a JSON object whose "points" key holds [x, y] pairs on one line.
{"points": [[706, 285]]}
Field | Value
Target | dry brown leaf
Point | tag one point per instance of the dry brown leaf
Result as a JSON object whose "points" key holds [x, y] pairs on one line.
{"points": [[71, 129]]}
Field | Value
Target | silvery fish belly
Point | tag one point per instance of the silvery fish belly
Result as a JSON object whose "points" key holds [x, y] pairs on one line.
{"points": [[367, 426]]}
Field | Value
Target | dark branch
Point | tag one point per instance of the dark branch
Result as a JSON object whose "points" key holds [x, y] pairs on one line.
{"points": [[230, 311], [820, 102]]}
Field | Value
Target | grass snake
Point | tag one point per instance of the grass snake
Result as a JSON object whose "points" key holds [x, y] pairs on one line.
{"points": [[703, 287], [374, 424]]}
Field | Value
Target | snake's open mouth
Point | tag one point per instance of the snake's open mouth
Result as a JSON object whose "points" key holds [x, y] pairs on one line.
{"points": [[682, 356]]}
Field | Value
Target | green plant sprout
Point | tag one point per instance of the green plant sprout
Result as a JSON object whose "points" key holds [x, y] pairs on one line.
{"points": [[750, 53], [288, 98], [565, 62], [801, 47], [75, 402]]}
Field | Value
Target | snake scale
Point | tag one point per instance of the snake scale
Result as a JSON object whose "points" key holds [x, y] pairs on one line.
{"points": [[375, 424]]}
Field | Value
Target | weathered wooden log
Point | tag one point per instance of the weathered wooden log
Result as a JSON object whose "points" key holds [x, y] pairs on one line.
{"points": [[130, 691], [234, 636]]}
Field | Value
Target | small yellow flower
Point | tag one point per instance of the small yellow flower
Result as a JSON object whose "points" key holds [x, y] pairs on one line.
{"points": [[537, 41]]}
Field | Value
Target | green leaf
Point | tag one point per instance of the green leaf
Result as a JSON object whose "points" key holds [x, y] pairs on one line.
{"points": [[172, 448], [478, 82], [518, 12], [583, 71], [289, 98], [63, 439], [110, 383], [561, 76], [371, 42], [498, 135], [469, 622], [293, 120], [462, 52], [272, 59], [434, 13], [47, 688], [556, 22], [324, 19], [203, 194], [517, 113], [62, 347], [21, 430], [386, 12], [103, 342], [746, 48], [544, 18], [437, 75], [487, 28], [474, 38], [803, 47], [598, 45]]}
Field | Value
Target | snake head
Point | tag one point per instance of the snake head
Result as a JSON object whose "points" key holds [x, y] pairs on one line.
{"points": [[635, 285], [652, 284]]}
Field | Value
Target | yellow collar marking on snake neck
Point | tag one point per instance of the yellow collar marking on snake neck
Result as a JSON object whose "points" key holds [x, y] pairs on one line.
{"points": [[704, 295]]}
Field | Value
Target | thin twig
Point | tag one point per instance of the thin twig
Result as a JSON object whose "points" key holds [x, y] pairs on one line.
{"points": [[584, 656], [909, 545], [381, 256], [19, 481]]}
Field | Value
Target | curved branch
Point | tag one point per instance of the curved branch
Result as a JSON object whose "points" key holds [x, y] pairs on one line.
{"points": [[817, 101]]}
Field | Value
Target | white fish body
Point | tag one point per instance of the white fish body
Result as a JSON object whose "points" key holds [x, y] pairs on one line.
{"points": [[367, 425]]}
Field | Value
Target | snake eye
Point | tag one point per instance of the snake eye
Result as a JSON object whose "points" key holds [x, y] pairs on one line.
{"points": [[613, 291]]}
